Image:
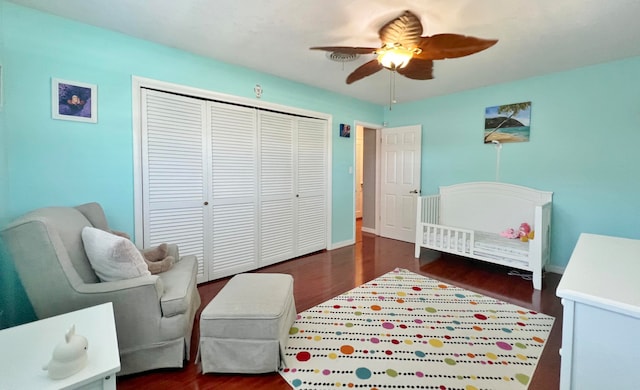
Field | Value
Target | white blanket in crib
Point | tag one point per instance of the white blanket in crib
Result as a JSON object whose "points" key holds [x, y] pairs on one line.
{"points": [[494, 244]]}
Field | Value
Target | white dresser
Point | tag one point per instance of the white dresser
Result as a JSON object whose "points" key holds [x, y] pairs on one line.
{"points": [[26, 348], [600, 291]]}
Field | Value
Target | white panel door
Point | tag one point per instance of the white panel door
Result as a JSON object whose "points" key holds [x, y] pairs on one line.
{"points": [[175, 177], [234, 174], [277, 188], [400, 181], [311, 168]]}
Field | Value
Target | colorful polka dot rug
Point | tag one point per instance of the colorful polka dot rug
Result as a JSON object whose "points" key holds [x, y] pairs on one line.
{"points": [[407, 331]]}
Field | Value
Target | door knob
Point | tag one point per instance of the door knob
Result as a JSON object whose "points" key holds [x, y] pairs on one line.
{"points": [[414, 191]]}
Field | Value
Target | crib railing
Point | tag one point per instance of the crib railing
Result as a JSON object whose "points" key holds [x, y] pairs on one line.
{"points": [[429, 209], [430, 234], [447, 239]]}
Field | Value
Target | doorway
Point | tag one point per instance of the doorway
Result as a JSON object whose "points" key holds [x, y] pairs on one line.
{"points": [[365, 184]]}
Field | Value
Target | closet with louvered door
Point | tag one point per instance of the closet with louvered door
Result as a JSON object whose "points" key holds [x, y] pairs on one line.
{"points": [[175, 175], [237, 186], [277, 191], [293, 164], [234, 190], [311, 183]]}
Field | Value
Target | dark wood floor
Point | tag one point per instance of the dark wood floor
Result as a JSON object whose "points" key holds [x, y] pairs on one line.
{"points": [[322, 276]]}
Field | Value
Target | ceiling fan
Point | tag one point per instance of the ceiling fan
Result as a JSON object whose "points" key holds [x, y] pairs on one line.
{"points": [[405, 51]]}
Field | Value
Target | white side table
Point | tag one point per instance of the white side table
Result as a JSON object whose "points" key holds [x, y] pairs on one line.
{"points": [[600, 291], [26, 348]]}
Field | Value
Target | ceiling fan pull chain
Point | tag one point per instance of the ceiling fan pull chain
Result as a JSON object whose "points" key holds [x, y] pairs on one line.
{"points": [[393, 100], [392, 88]]}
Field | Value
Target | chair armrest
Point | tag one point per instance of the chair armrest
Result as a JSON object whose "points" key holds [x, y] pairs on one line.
{"points": [[126, 284]]}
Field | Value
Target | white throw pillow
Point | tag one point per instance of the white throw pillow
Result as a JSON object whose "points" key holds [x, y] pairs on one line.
{"points": [[112, 257]]}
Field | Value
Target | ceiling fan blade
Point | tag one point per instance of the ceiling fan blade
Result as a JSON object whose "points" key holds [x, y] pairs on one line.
{"points": [[346, 49], [417, 69], [363, 71], [405, 30], [441, 46]]}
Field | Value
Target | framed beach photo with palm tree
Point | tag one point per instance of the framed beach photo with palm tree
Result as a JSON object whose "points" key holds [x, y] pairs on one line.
{"points": [[507, 123], [74, 101]]}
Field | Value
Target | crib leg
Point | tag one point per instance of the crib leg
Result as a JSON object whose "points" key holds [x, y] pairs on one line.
{"points": [[537, 279], [417, 251]]}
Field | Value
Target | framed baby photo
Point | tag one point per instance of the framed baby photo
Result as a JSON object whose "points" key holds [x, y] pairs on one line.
{"points": [[74, 101], [345, 130]]}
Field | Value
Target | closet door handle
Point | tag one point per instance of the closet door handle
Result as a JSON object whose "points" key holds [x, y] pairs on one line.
{"points": [[414, 191], [206, 203]]}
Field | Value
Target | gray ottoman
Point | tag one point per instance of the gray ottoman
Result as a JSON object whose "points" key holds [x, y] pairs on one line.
{"points": [[244, 329]]}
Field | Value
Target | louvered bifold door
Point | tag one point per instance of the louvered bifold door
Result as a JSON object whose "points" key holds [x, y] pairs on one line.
{"points": [[174, 174], [311, 173], [234, 190], [276, 156]]}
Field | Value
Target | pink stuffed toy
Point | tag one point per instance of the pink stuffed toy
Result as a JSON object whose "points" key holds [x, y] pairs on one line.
{"points": [[525, 233], [510, 233]]}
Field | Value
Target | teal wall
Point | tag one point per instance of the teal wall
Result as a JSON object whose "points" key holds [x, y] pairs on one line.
{"points": [[584, 146], [15, 307], [53, 162], [4, 182]]}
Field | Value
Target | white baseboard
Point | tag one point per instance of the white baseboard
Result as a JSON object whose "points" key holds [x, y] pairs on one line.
{"points": [[342, 244], [555, 269], [368, 230]]}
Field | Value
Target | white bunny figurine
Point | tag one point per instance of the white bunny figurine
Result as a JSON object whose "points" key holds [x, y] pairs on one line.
{"points": [[68, 357]]}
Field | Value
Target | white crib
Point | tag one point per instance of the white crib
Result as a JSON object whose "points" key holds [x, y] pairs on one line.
{"points": [[466, 219]]}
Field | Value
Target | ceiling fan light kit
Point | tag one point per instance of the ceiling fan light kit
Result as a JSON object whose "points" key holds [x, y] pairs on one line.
{"points": [[394, 56], [404, 50]]}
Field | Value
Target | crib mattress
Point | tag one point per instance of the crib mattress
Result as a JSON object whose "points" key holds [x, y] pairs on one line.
{"points": [[494, 244]]}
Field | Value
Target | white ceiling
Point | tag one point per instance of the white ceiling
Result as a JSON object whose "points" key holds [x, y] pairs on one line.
{"points": [[274, 36]]}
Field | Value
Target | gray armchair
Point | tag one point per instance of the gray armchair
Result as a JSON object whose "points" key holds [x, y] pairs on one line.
{"points": [[153, 314]]}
